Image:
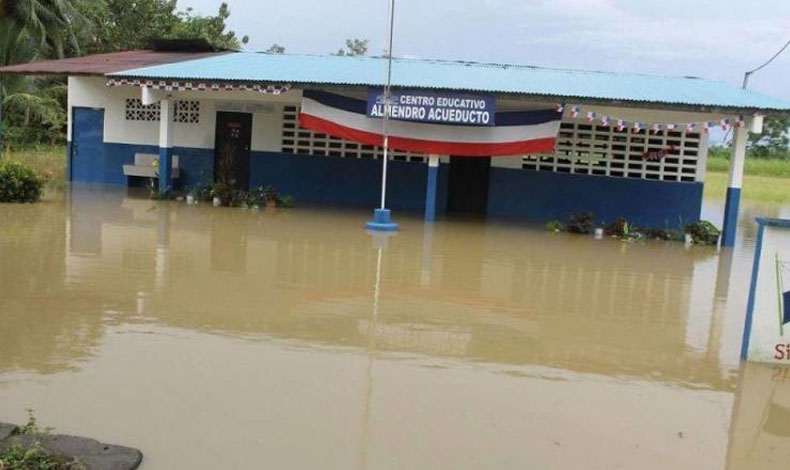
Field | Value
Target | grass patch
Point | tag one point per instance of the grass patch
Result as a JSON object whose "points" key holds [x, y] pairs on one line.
{"points": [[753, 166], [49, 161], [755, 188]]}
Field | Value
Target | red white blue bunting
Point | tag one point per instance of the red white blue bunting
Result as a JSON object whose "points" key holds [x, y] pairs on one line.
{"points": [[655, 128]]}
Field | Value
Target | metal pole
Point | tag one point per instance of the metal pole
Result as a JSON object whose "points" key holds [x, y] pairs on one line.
{"points": [[387, 94]]}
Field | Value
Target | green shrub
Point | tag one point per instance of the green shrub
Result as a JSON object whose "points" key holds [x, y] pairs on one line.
{"points": [[34, 456], [554, 226], [703, 233], [583, 222], [19, 183], [619, 228], [285, 201]]}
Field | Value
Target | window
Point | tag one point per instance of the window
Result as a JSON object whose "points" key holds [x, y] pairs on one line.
{"points": [[186, 111], [306, 142], [137, 111], [590, 149]]}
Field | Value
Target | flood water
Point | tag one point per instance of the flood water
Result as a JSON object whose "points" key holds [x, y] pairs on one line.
{"points": [[224, 338]]}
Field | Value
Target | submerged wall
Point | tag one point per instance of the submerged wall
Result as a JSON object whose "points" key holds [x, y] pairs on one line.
{"points": [[542, 196], [336, 180]]}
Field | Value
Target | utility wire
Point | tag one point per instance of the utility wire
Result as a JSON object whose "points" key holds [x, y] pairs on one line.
{"points": [[747, 74]]}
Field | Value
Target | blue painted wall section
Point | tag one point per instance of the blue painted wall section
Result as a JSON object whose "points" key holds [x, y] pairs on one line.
{"points": [[430, 193], [165, 170], [442, 180], [354, 182], [542, 196], [195, 165], [730, 216]]}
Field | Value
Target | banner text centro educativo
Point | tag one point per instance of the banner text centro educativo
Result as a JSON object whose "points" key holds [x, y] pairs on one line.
{"points": [[438, 108]]}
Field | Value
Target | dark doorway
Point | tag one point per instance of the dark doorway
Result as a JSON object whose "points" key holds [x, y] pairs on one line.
{"points": [[232, 149], [468, 187]]}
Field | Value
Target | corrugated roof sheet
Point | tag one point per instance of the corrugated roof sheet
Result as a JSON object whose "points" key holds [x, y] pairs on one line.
{"points": [[101, 64], [464, 76]]}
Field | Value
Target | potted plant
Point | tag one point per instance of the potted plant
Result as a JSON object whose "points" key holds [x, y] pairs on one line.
{"points": [[220, 194], [702, 233], [269, 197]]}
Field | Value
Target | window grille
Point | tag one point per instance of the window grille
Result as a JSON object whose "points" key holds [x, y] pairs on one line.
{"points": [[589, 149], [137, 111], [306, 142], [186, 111]]}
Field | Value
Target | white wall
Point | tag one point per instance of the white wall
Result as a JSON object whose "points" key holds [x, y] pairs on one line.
{"points": [[267, 116]]}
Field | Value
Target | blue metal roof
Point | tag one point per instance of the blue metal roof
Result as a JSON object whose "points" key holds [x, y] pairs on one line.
{"points": [[462, 76]]}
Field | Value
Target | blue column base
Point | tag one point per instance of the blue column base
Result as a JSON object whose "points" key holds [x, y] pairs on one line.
{"points": [[731, 207], [382, 221], [430, 194], [165, 170]]}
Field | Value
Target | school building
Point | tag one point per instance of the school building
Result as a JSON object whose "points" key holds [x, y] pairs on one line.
{"points": [[623, 145]]}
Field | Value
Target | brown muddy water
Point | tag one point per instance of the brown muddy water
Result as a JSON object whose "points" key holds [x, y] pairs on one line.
{"points": [[224, 338]]}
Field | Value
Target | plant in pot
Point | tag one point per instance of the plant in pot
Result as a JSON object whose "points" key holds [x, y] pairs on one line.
{"points": [[554, 226], [220, 194], [582, 222], [285, 201], [703, 233], [270, 197]]}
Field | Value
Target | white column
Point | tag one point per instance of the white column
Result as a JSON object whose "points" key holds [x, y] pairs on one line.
{"points": [[165, 145], [733, 202], [738, 157], [166, 123]]}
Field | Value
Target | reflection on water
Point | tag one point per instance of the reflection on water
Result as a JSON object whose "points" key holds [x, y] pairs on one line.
{"points": [[256, 335]]}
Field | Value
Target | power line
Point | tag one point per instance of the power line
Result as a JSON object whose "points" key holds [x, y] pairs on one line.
{"points": [[747, 74]]}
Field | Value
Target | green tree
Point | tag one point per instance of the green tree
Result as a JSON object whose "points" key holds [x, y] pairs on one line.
{"points": [[120, 25], [774, 140], [52, 23], [276, 49], [32, 109], [354, 47], [210, 28]]}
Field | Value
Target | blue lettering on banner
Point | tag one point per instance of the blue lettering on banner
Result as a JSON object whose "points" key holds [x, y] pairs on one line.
{"points": [[439, 108]]}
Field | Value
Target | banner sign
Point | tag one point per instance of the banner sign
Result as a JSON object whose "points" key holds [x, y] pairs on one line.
{"points": [[439, 108], [766, 334], [515, 132]]}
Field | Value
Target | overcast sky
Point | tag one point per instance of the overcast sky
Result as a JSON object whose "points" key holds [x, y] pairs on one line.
{"points": [[717, 39]]}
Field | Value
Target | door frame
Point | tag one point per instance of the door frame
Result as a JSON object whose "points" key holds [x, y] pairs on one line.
{"points": [[248, 117]]}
